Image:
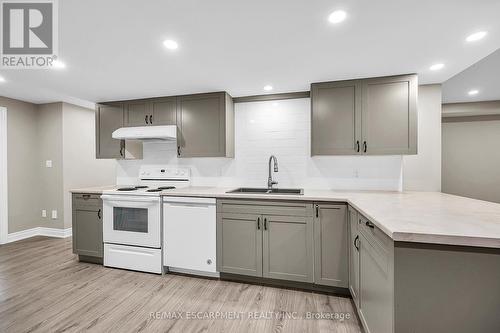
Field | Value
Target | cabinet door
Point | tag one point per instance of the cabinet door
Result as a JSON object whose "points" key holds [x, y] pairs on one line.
{"points": [[353, 255], [288, 248], [202, 125], [137, 113], [239, 244], [375, 289], [109, 118], [331, 245], [87, 230], [390, 115], [164, 111], [336, 118]]}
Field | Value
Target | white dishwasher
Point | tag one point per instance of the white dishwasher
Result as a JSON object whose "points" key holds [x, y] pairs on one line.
{"points": [[189, 235]]}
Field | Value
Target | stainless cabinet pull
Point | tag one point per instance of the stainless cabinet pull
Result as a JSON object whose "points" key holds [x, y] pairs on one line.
{"points": [[317, 211], [178, 150], [121, 152], [265, 223], [365, 147], [370, 225], [146, 119], [151, 119], [357, 145], [99, 214], [356, 242], [258, 223]]}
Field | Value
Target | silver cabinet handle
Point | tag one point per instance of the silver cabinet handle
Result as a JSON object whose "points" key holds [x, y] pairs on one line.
{"points": [[369, 224], [258, 223]]}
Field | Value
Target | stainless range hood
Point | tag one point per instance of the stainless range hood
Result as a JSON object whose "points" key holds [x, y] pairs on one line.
{"points": [[147, 133]]}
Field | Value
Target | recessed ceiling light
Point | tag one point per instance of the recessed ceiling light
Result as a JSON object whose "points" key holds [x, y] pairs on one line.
{"points": [[337, 16], [436, 67], [268, 87], [2, 79], [170, 44], [473, 92], [476, 36], [58, 64]]}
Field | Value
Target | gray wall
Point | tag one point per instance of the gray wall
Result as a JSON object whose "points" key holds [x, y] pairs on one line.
{"points": [[49, 147], [64, 134], [22, 162], [471, 159], [422, 172], [78, 144]]}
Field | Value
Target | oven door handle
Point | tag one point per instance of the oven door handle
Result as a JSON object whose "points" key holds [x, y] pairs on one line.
{"points": [[129, 199]]}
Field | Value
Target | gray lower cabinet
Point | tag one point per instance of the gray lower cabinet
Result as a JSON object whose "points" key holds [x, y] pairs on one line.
{"points": [[265, 239], [239, 244], [205, 125], [331, 245], [376, 116], [353, 255], [288, 248], [375, 287], [87, 225]]}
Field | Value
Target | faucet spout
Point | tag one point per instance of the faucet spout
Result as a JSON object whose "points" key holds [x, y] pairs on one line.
{"points": [[270, 181]]}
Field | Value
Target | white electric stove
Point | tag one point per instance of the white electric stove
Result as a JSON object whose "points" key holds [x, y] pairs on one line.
{"points": [[132, 218]]}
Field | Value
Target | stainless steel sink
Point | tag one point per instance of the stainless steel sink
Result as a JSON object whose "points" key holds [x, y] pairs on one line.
{"points": [[261, 190]]}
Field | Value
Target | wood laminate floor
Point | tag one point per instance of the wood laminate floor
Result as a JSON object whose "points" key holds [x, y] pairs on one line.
{"points": [[43, 288]]}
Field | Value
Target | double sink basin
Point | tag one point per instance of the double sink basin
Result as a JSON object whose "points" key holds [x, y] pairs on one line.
{"points": [[262, 190]]}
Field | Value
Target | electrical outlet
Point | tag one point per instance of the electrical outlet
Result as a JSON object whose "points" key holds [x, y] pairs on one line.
{"points": [[44, 213], [48, 163], [54, 214]]}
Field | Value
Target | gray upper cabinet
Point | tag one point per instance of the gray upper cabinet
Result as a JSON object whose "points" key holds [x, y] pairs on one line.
{"points": [[164, 111], [137, 113], [376, 116], [109, 117], [336, 118], [288, 248], [239, 244], [390, 115], [205, 125], [331, 245], [87, 225], [154, 111]]}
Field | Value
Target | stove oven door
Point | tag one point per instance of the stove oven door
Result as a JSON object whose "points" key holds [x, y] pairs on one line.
{"points": [[131, 220]]}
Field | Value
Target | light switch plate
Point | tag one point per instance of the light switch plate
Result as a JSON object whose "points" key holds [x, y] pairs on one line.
{"points": [[48, 163], [54, 214]]}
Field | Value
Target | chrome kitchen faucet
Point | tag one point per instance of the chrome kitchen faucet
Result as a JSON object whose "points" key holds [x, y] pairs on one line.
{"points": [[270, 181]]}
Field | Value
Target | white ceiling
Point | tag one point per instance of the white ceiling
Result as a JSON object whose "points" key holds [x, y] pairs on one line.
{"points": [[483, 76], [113, 49]]}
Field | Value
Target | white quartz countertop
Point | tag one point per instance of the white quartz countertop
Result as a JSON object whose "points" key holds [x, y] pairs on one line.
{"points": [[94, 190], [426, 217]]}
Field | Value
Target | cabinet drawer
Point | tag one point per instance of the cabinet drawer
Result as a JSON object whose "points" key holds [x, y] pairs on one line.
{"points": [[132, 257], [283, 208], [374, 234], [82, 200]]}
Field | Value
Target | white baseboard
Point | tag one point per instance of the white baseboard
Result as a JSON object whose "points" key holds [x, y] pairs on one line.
{"points": [[39, 231]]}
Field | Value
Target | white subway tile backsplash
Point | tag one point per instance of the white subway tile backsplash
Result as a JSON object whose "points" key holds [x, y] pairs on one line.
{"points": [[283, 129]]}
